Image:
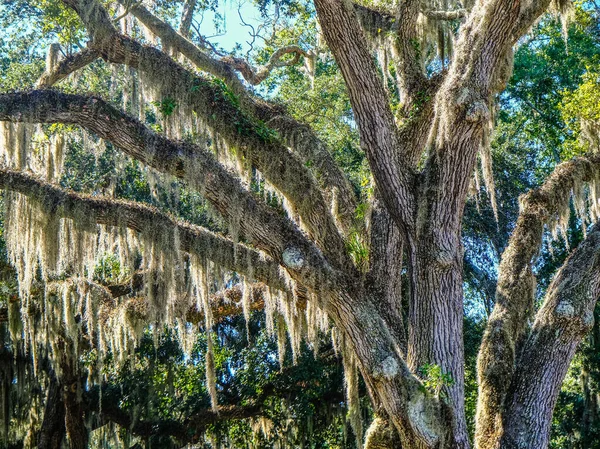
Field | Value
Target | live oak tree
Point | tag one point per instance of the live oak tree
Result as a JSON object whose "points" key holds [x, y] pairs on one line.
{"points": [[424, 113]]}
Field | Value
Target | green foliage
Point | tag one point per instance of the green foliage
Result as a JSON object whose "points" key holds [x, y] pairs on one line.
{"points": [[109, 270], [434, 378], [166, 106], [358, 250]]}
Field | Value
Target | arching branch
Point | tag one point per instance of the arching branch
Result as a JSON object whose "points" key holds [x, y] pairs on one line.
{"points": [[259, 223], [446, 15], [216, 110], [299, 137]]}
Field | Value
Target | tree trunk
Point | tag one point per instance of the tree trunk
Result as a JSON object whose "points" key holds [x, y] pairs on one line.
{"points": [[53, 425], [71, 392], [435, 333]]}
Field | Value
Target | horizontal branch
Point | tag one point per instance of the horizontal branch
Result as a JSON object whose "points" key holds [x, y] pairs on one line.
{"points": [[191, 428], [215, 108], [445, 15], [278, 237], [112, 212]]}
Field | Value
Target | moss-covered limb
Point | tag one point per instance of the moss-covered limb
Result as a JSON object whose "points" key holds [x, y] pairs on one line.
{"points": [[376, 123], [375, 23], [418, 415], [445, 15], [224, 303], [278, 237], [109, 211], [299, 137], [229, 124], [515, 291], [63, 68], [566, 316], [381, 434]]}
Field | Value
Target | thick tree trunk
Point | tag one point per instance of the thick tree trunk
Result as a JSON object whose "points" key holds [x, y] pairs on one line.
{"points": [[53, 425], [384, 279], [435, 331]]}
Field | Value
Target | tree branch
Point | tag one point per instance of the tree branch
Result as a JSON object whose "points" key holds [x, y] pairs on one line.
{"points": [[65, 67], [515, 292], [302, 140], [256, 76], [560, 325], [269, 232], [186, 18], [284, 171], [112, 212], [370, 104], [445, 15]]}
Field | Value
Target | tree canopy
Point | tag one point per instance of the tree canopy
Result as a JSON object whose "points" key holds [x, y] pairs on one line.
{"points": [[367, 224]]}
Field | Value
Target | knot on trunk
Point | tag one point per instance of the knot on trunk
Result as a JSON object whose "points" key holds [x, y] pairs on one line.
{"points": [[293, 258], [387, 369]]}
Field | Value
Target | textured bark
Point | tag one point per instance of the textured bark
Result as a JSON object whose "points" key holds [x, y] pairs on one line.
{"points": [[259, 223], [383, 282], [560, 325], [187, 17], [53, 426], [69, 379], [421, 163], [515, 292], [382, 435], [370, 104], [283, 170]]}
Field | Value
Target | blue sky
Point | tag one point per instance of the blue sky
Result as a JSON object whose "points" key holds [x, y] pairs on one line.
{"points": [[235, 31]]}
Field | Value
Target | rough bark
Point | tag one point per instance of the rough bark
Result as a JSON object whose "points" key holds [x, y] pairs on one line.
{"points": [[299, 137], [560, 325], [187, 17], [53, 426], [268, 231], [515, 292], [383, 282], [69, 379], [422, 166]]}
